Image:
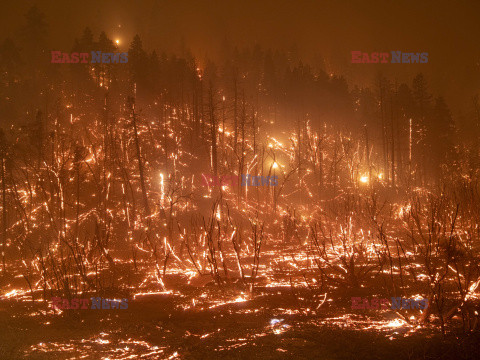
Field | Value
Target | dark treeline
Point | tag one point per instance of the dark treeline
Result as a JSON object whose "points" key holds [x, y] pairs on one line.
{"points": [[282, 92]]}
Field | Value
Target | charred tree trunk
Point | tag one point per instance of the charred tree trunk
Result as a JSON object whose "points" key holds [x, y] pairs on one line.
{"points": [[139, 159], [213, 132], [4, 199]]}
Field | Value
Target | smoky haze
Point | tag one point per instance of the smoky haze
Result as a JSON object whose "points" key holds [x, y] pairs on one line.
{"points": [[321, 33]]}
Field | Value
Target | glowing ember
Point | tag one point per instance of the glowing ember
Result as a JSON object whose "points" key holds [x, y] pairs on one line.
{"points": [[364, 179]]}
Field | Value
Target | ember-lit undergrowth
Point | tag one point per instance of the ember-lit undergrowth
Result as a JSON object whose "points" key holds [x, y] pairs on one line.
{"points": [[286, 314], [272, 323], [265, 280]]}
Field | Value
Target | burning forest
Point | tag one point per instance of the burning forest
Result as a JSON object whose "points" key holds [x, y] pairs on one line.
{"points": [[257, 202]]}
